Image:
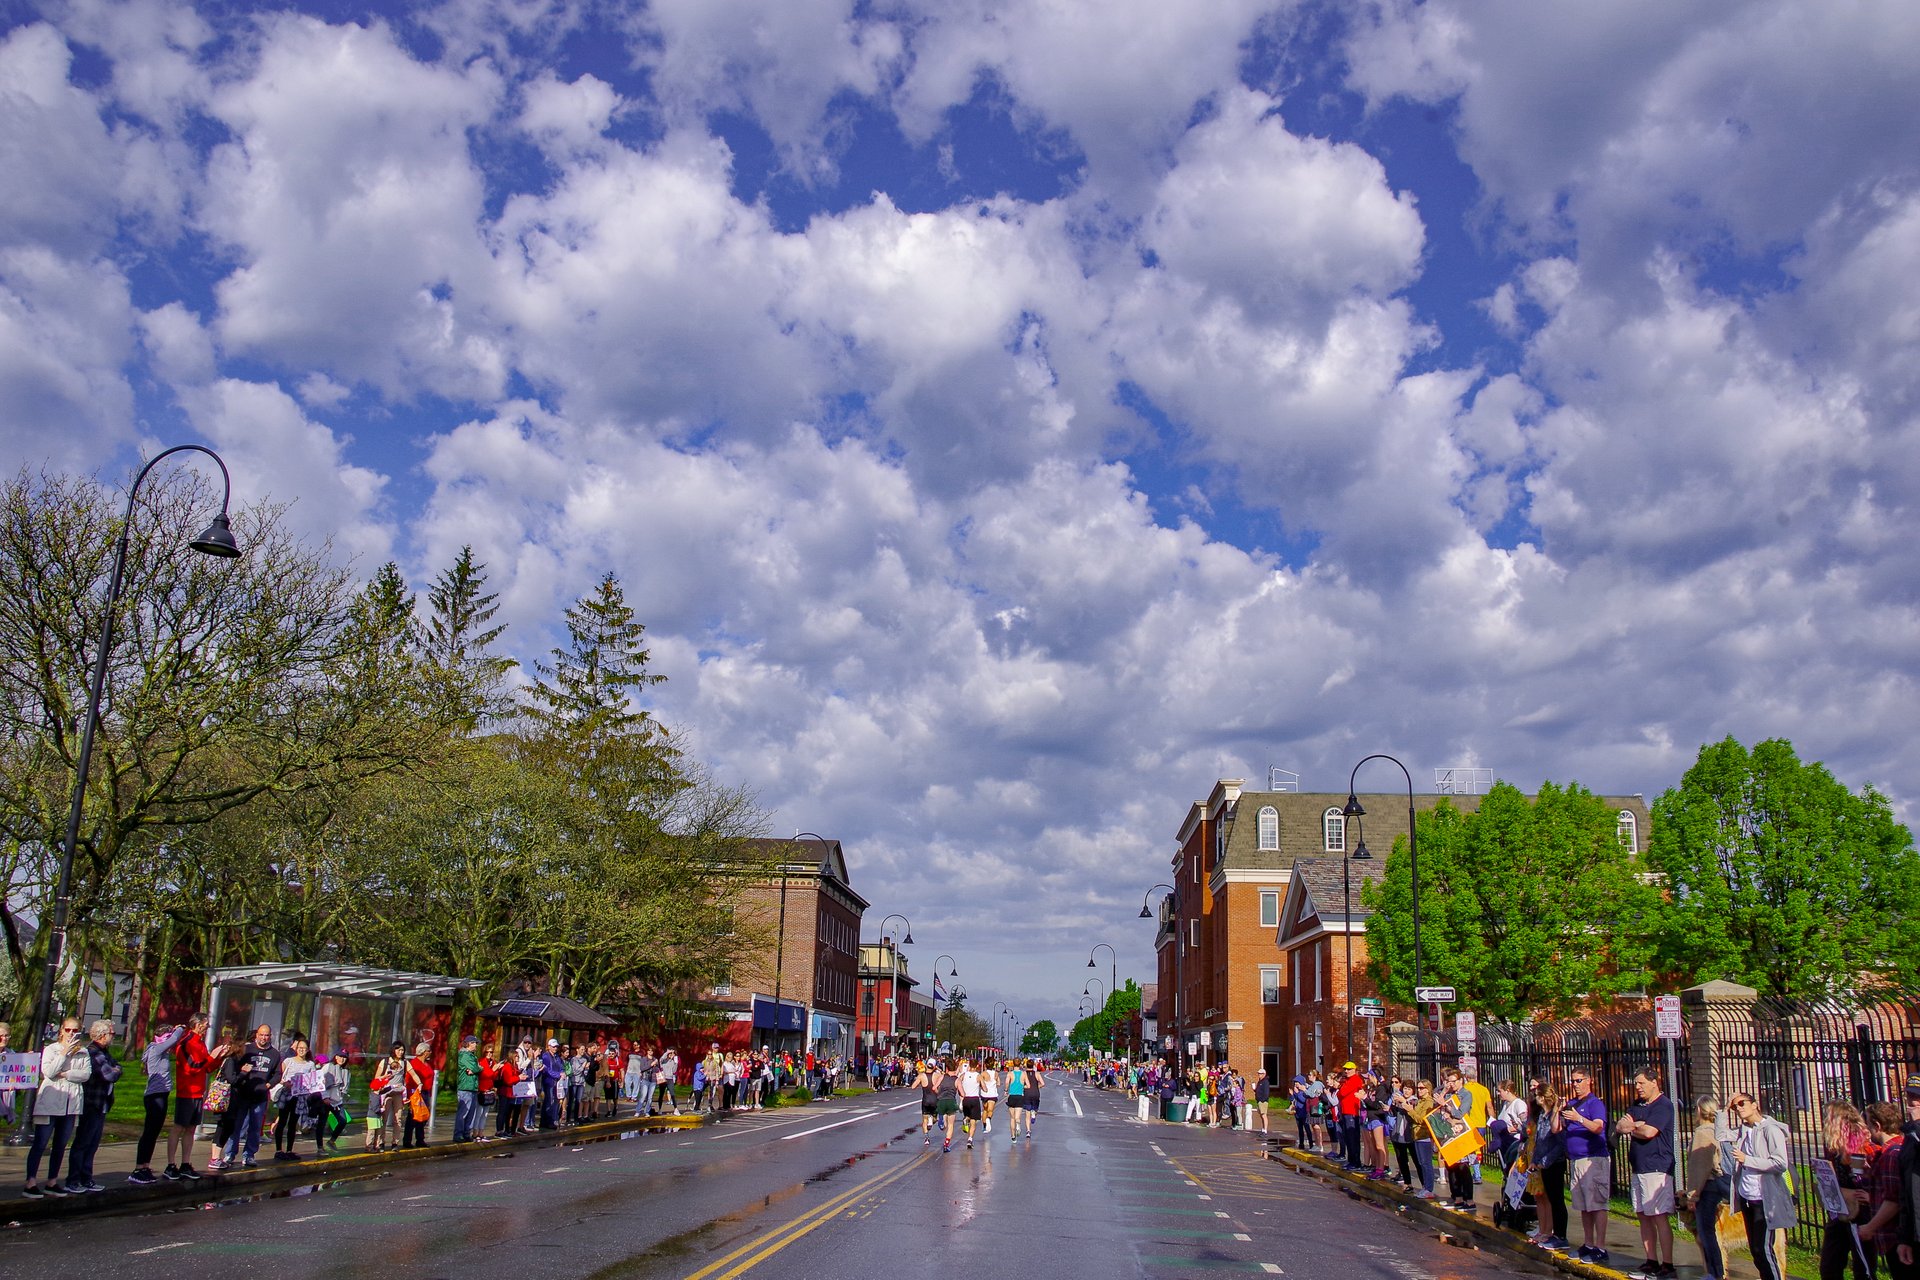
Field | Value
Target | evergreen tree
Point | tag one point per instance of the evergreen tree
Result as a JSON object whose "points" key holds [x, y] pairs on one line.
{"points": [[1780, 878], [456, 640]]}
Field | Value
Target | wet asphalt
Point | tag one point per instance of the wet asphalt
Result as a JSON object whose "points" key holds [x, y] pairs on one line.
{"points": [[841, 1189]]}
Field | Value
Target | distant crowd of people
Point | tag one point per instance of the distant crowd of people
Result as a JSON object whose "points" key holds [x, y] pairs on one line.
{"points": [[252, 1089]]}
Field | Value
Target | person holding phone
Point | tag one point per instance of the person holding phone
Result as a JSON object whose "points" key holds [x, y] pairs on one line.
{"points": [[64, 1068], [1589, 1165]]}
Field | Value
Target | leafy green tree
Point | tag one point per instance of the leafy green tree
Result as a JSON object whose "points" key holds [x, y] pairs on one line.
{"points": [[1106, 1027], [1780, 878], [1043, 1037], [1527, 907], [961, 1027], [227, 681]]}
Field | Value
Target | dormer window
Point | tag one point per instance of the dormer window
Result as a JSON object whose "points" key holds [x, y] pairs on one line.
{"points": [[1335, 823], [1627, 831], [1269, 829]]}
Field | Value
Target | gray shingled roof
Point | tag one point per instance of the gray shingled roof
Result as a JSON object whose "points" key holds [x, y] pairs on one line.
{"points": [[1323, 879]]}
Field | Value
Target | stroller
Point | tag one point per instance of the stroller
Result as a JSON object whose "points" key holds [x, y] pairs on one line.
{"points": [[1514, 1208]]}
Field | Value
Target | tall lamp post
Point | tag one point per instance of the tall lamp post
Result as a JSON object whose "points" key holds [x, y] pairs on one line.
{"points": [[1359, 854], [1173, 1022], [893, 955], [216, 540], [999, 1009], [1352, 809], [1113, 972]]}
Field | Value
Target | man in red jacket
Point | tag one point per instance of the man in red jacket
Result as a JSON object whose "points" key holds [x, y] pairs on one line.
{"points": [[1351, 1085], [192, 1064]]}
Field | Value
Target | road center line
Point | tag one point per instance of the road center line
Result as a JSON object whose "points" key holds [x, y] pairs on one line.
{"points": [[177, 1244]]}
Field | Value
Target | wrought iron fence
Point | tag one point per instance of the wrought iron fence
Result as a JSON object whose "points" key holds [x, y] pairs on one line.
{"points": [[1796, 1058]]}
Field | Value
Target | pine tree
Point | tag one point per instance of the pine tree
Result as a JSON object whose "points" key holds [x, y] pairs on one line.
{"points": [[456, 639]]}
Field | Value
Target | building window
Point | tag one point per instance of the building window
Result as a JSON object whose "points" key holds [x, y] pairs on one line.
{"points": [[1269, 828], [1193, 933], [1269, 984], [1335, 823], [1299, 958], [1626, 830], [1269, 909], [1319, 970]]}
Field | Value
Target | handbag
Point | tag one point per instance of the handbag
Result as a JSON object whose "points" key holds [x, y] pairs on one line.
{"points": [[219, 1097], [524, 1089], [419, 1107]]}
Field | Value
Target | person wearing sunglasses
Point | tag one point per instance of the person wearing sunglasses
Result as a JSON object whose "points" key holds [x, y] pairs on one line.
{"points": [[64, 1068], [1760, 1194], [1589, 1165]]}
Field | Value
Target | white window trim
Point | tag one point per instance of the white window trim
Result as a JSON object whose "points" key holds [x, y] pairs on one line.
{"points": [[1333, 831], [1266, 969], [1626, 829], [1269, 821], [1266, 896]]}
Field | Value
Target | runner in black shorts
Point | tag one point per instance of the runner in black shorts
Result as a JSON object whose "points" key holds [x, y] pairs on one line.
{"points": [[929, 1102], [946, 1088], [1034, 1081]]}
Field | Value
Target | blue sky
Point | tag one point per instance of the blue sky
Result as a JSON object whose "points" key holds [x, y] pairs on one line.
{"points": [[1011, 417]]}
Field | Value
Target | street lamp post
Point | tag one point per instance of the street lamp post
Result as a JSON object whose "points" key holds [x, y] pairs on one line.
{"points": [[216, 540], [1359, 854], [893, 956], [1352, 809], [999, 1007], [1174, 1021]]}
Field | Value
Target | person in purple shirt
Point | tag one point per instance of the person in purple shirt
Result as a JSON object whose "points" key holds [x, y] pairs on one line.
{"points": [[553, 1068], [1589, 1165]]}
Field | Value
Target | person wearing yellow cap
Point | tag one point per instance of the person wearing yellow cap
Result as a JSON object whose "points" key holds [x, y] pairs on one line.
{"points": [[1351, 1086]]}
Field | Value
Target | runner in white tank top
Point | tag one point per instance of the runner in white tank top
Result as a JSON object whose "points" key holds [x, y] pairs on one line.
{"points": [[989, 1096], [969, 1097]]}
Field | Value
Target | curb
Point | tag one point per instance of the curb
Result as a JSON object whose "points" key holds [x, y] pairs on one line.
{"points": [[18, 1211], [1482, 1232]]}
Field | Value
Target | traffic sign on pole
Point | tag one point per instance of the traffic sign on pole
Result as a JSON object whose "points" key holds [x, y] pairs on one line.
{"points": [[1435, 995], [1666, 1017], [1368, 1011]]}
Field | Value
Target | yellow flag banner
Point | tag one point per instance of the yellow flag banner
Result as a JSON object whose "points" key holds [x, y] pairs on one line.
{"points": [[1452, 1139]]}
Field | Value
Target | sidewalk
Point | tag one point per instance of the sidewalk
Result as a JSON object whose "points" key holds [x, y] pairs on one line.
{"points": [[1623, 1232], [114, 1162]]}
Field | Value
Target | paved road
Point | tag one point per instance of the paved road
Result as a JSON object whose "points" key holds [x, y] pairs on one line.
{"points": [[845, 1189]]}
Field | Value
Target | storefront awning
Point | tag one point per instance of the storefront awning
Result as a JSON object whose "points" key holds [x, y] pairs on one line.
{"points": [[343, 980]]}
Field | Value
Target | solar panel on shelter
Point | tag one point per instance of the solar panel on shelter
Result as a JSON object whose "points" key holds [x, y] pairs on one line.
{"points": [[524, 1009]]}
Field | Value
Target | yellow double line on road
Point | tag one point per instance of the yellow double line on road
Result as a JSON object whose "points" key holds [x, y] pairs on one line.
{"points": [[765, 1246]]}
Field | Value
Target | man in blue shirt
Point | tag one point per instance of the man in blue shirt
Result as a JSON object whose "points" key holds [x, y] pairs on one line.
{"points": [[1589, 1165]]}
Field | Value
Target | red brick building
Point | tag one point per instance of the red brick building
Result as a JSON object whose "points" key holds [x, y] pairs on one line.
{"points": [[799, 989]]}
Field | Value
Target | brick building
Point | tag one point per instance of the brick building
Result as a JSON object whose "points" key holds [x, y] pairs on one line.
{"points": [[799, 989], [892, 1014], [1228, 984]]}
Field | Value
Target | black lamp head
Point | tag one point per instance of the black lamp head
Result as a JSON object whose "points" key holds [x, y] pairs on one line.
{"points": [[1352, 807], [217, 540], [1144, 915], [1361, 854], [908, 940]]}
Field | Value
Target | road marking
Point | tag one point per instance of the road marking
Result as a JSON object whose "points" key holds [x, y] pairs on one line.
{"points": [[1271, 1269], [608, 1159], [560, 1169], [1203, 1197], [823, 1128], [1241, 1235], [1073, 1096], [496, 1182], [312, 1217], [178, 1244], [780, 1237], [426, 1196], [902, 1107]]}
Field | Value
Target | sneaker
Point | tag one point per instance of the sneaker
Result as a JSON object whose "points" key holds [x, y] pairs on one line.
{"points": [[214, 1165], [54, 1189], [187, 1174], [1599, 1257], [171, 1173], [1648, 1270], [93, 1186], [969, 1144], [1583, 1253], [249, 1163], [1558, 1244], [34, 1193], [946, 1146], [143, 1177]]}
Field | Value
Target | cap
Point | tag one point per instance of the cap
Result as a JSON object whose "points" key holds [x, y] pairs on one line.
{"points": [[553, 1044], [1913, 1085], [1299, 1079], [1348, 1066]]}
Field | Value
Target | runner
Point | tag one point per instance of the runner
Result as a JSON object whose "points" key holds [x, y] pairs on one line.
{"points": [[946, 1089], [1035, 1079], [1016, 1098], [969, 1098], [929, 1101], [989, 1095]]}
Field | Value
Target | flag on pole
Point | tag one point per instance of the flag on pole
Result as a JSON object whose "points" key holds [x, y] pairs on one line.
{"points": [[939, 992]]}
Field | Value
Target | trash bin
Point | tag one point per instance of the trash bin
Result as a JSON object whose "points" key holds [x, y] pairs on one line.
{"points": [[1177, 1109]]}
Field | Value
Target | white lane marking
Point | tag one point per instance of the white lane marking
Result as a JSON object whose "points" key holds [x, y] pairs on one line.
{"points": [[496, 1182], [1241, 1235], [740, 1130], [1218, 1214], [1204, 1197], [1271, 1269], [1192, 1183], [427, 1196], [312, 1217], [1155, 1148], [562, 1169], [1073, 1096], [823, 1128], [903, 1106], [178, 1244], [608, 1159]]}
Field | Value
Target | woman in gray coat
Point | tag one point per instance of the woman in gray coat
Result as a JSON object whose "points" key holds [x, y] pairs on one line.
{"points": [[1760, 1194]]}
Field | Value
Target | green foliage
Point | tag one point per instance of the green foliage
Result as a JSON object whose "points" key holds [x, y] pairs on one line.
{"points": [[1782, 879], [1040, 1039], [1107, 1028], [961, 1027], [456, 638], [1526, 907]]}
